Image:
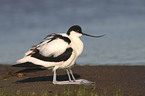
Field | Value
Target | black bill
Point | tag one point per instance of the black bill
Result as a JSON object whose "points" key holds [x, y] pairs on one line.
{"points": [[92, 35]]}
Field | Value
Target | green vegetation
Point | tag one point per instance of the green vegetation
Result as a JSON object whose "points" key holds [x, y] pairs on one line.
{"points": [[19, 93], [85, 91]]}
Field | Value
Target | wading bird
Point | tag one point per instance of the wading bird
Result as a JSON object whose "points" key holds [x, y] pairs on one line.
{"points": [[57, 51]]}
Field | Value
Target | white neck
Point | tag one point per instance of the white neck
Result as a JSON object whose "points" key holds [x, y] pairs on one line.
{"points": [[75, 34], [77, 43]]}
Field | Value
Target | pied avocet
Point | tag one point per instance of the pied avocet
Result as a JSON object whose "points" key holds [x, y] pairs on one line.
{"points": [[59, 50]]}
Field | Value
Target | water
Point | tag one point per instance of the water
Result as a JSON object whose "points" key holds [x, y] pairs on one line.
{"points": [[24, 23]]}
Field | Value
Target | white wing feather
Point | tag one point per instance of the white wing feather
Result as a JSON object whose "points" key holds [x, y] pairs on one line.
{"points": [[36, 46], [55, 48], [48, 48]]}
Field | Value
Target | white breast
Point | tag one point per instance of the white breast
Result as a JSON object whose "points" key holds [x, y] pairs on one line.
{"points": [[77, 45]]}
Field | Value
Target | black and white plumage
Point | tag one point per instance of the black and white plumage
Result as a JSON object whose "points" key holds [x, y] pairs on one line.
{"points": [[57, 51]]}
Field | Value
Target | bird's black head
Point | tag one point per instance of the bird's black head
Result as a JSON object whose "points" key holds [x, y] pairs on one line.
{"points": [[75, 28]]}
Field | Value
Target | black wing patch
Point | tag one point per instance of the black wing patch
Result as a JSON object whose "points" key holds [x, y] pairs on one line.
{"points": [[55, 36], [51, 37], [63, 57], [27, 64]]}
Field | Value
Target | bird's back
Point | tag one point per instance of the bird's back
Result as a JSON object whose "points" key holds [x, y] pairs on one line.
{"points": [[56, 50]]}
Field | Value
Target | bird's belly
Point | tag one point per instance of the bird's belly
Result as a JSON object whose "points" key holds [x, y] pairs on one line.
{"points": [[70, 62]]}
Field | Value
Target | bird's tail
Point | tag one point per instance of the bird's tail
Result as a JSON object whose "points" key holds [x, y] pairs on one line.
{"points": [[26, 64]]}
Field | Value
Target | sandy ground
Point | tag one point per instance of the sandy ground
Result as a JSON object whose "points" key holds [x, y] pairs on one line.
{"points": [[129, 79]]}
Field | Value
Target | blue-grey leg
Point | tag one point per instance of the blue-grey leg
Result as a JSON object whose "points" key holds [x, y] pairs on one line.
{"points": [[80, 81], [72, 75], [54, 76], [68, 75]]}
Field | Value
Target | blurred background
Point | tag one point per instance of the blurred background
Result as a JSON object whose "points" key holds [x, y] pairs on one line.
{"points": [[24, 23]]}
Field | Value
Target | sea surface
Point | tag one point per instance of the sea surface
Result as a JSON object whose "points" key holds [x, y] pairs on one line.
{"points": [[24, 23]]}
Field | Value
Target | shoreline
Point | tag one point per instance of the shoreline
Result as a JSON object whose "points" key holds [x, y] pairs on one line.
{"points": [[129, 79], [135, 64]]}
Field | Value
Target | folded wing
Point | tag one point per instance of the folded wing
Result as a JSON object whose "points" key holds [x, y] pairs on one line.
{"points": [[55, 48]]}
